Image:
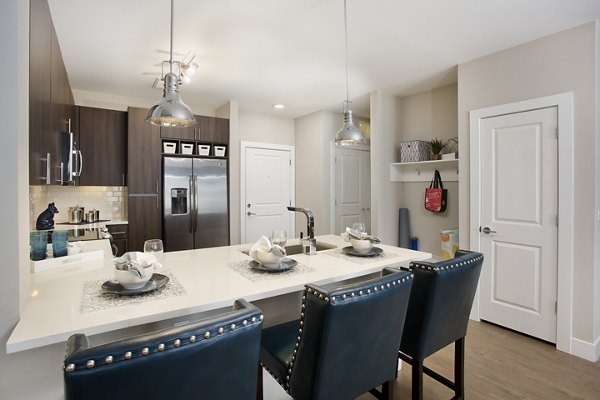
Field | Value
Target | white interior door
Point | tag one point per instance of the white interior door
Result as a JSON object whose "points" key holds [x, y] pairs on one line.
{"points": [[352, 188], [518, 217], [267, 190]]}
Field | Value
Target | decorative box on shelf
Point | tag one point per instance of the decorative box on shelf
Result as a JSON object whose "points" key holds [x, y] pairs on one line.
{"points": [[414, 151], [204, 149], [220, 151], [169, 147], [187, 148]]}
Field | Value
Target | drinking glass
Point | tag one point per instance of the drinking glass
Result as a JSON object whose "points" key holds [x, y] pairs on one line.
{"points": [[359, 227], [39, 245], [154, 247], [59, 243], [279, 237]]}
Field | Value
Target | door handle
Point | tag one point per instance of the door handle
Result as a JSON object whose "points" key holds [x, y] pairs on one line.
{"points": [[486, 230], [250, 213]]}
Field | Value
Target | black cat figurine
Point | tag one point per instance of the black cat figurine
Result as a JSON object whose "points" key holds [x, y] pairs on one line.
{"points": [[46, 219]]}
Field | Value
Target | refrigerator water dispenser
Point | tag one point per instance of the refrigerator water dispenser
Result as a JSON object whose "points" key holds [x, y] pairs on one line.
{"points": [[179, 201]]}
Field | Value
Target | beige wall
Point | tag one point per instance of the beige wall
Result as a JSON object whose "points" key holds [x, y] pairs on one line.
{"points": [[424, 116], [559, 63], [314, 137], [266, 129], [385, 195]]}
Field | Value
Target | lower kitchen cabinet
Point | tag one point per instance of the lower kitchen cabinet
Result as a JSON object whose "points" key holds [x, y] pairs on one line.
{"points": [[120, 236], [144, 215]]}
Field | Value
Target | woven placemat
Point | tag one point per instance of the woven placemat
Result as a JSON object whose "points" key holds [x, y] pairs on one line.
{"points": [[95, 299], [243, 268], [338, 253]]}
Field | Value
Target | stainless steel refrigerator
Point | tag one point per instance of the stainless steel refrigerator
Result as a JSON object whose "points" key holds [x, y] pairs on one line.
{"points": [[195, 206]]}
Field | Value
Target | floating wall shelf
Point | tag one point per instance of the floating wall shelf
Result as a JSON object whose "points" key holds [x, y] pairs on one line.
{"points": [[422, 171]]}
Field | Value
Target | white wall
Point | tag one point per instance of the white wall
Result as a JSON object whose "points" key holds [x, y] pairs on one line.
{"points": [[249, 127], [30, 375], [385, 142], [313, 140], [428, 115], [559, 63]]}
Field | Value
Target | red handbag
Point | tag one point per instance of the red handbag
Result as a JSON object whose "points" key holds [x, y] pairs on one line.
{"points": [[435, 194]]}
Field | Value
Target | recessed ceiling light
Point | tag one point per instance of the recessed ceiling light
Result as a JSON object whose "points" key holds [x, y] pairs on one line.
{"points": [[278, 106]]}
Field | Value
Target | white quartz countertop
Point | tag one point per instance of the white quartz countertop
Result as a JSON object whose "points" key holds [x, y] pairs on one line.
{"points": [[54, 309]]}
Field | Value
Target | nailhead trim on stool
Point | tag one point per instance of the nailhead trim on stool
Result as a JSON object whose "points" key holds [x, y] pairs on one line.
{"points": [[161, 347]]}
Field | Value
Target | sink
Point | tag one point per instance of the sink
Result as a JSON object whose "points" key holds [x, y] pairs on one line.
{"points": [[297, 248]]}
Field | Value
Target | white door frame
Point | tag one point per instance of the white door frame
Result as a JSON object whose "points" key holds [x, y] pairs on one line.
{"points": [[269, 146], [564, 102]]}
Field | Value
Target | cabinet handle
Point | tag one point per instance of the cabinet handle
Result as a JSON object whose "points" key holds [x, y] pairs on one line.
{"points": [[48, 163]]}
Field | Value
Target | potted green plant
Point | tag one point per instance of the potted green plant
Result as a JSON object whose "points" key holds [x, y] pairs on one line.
{"points": [[436, 145]]}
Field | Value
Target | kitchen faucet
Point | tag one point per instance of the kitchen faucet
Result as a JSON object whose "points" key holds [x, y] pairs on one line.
{"points": [[310, 220]]}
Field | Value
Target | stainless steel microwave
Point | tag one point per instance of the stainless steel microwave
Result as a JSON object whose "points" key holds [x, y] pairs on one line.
{"points": [[71, 160]]}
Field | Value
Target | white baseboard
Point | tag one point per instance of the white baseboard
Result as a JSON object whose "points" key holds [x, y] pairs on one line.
{"points": [[586, 350]]}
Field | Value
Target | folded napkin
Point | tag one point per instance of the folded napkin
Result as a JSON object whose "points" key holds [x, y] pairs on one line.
{"points": [[264, 245], [354, 234], [136, 261]]}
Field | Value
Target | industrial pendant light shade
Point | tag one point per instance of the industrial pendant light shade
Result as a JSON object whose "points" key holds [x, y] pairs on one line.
{"points": [[350, 134], [171, 111]]}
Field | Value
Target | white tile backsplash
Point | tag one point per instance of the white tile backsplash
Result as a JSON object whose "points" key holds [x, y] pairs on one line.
{"points": [[111, 201]]}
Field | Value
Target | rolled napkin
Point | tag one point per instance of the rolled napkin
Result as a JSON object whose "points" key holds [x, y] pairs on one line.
{"points": [[264, 247], [354, 234]]}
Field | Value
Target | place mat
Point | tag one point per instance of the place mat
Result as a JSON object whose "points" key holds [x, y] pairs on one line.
{"points": [[243, 268], [338, 253], [95, 299]]}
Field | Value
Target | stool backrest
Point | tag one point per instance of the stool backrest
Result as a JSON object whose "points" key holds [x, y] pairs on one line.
{"points": [[440, 303], [348, 340], [216, 358]]}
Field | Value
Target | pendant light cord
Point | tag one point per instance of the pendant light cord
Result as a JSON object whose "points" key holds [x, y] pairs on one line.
{"points": [[171, 50], [346, 44]]}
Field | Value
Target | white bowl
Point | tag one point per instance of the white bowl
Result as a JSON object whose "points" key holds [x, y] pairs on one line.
{"points": [[362, 246], [130, 280], [268, 259]]}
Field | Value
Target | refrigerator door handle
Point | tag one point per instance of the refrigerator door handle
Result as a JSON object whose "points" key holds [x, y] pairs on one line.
{"points": [[194, 203], [191, 205]]}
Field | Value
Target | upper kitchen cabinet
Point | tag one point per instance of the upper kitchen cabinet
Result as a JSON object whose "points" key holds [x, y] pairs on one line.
{"points": [[103, 144], [188, 133], [51, 105], [207, 129], [211, 129], [143, 153], [40, 122]]}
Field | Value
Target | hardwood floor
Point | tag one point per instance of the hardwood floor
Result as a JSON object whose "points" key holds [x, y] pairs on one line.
{"points": [[502, 365]]}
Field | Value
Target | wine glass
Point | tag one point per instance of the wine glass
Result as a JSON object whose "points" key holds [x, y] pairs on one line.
{"points": [[359, 227], [279, 237], [154, 247]]}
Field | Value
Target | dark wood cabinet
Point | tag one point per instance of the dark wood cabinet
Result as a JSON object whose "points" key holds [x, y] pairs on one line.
{"points": [[212, 129], [103, 144], [120, 234], [40, 120], [221, 133], [143, 153], [178, 133], [51, 103], [145, 220]]}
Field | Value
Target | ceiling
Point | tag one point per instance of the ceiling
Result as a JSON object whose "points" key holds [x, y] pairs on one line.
{"points": [[262, 52]]}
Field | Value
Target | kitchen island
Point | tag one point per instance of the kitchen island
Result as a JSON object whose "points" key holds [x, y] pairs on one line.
{"points": [[205, 281]]}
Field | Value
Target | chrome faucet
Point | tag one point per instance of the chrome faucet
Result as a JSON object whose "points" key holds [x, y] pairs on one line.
{"points": [[310, 220]]}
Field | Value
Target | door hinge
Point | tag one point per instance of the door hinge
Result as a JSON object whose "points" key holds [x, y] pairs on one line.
{"points": [[290, 162], [556, 307], [335, 202], [557, 132], [556, 219]]}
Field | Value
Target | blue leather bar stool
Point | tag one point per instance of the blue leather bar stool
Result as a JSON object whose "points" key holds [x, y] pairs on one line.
{"points": [[345, 343], [215, 358], [438, 314]]}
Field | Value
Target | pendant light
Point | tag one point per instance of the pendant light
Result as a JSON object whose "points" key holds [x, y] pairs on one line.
{"points": [[171, 111], [350, 134]]}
